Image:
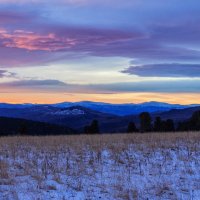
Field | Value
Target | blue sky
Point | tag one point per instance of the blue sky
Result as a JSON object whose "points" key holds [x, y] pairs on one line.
{"points": [[92, 50]]}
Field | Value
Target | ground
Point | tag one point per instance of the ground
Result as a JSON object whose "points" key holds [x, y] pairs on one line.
{"points": [[123, 166]]}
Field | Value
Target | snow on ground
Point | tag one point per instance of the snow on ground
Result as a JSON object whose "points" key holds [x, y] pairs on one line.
{"points": [[69, 112], [100, 167]]}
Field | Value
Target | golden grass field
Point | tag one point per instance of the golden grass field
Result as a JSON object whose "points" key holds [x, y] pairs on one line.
{"points": [[121, 166]]}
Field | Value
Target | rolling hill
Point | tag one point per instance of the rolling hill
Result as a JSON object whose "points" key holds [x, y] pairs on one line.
{"points": [[114, 109], [76, 117], [124, 109]]}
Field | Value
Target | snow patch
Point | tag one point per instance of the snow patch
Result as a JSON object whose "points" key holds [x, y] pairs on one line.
{"points": [[69, 112]]}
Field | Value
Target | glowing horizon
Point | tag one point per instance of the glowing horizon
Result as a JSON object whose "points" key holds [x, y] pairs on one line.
{"points": [[47, 98]]}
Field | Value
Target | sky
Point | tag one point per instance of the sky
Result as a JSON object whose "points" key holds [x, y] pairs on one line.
{"points": [[116, 51]]}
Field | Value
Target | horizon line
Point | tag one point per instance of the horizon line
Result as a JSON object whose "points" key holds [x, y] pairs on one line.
{"points": [[103, 102]]}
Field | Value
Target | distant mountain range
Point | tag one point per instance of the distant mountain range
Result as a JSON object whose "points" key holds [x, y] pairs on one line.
{"points": [[112, 118], [124, 109], [115, 109], [75, 117]]}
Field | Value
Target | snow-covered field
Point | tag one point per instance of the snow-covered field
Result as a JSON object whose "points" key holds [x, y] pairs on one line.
{"points": [[142, 166]]}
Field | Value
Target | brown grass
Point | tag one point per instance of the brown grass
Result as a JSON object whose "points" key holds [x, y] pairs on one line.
{"points": [[84, 156]]}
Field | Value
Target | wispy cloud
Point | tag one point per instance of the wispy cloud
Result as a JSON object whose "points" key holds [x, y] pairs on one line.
{"points": [[32, 41], [171, 86], [25, 47], [165, 70], [55, 41], [62, 39], [5, 73], [36, 83], [47, 86]]}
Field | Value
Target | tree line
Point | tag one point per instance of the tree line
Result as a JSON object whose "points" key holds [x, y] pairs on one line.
{"points": [[12, 126], [147, 124], [159, 125]]}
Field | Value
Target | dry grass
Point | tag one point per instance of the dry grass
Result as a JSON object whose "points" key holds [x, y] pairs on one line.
{"points": [[122, 166]]}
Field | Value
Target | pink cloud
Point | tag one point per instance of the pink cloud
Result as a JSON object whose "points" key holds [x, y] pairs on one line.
{"points": [[19, 48], [63, 40], [33, 41], [44, 44]]}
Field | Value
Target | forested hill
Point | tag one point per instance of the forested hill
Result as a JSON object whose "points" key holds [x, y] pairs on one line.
{"points": [[12, 126]]}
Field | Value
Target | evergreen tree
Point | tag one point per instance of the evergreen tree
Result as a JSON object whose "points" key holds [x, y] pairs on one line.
{"points": [[195, 121], [131, 128], [158, 125], [193, 124], [145, 122], [93, 128], [169, 125]]}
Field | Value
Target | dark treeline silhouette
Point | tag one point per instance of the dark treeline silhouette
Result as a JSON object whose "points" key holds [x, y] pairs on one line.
{"points": [[12, 126], [93, 128], [163, 125], [193, 124], [147, 124], [159, 125]]}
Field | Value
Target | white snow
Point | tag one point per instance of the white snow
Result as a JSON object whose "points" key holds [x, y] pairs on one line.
{"points": [[69, 112], [99, 167]]}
